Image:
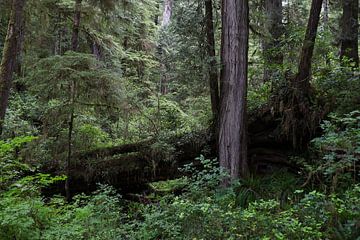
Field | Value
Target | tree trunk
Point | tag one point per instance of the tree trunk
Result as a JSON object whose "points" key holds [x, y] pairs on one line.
{"points": [[76, 26], [72, 92], [272, 54], [299, 119], [233, 127], [349, 31], [166, 17], [10, 50], [327, 27], [212, 64], [166, 13], [302, 80]]}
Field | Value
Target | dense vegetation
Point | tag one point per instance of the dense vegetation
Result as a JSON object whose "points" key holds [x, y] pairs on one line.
{"points": [[186, 119]]}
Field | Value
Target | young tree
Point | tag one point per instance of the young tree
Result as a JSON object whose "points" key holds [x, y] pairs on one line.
{"points": [[212, 64], [234, 55], [350, 31], [69, 86], [10, 51]]}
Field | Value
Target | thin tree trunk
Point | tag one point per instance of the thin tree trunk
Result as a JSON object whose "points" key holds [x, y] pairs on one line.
{"points": [[72, 90], [233, 127], [212, 64], [10, 50], [350, 30], [70, 137], [326, 26], [302, 80], [272, 54]]}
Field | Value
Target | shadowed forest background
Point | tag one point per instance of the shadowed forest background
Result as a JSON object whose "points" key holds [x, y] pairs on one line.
{"points": [[179, 119]]}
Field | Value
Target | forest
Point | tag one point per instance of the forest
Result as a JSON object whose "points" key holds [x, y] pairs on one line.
{"points": [[179, 119]]}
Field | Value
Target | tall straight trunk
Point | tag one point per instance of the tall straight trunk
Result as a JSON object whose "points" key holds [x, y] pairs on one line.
{"points": [[76, 26], [166, 13], [166, 18], [72, 91], [19, 57], [302, 80], [272, 54], [10, 50], [212, 64], [327, 27], [350, 31], [233, 127]]}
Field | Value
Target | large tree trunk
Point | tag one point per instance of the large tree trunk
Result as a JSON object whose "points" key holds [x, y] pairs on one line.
{"points": [[76, 26], [350, 30], [11, 48], [302, 80], [299, 119], [272, 54], [233, 129], [166, 17], [212, 64], [166, 13]]}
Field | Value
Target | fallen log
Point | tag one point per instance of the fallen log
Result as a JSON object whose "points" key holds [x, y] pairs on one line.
{"points": [[130, 167]]}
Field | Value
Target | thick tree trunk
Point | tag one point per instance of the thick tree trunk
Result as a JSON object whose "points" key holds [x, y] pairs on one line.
{"points": [[166, 18], [233, 129], [10, 50], [272, 54], [76, 26], [302, 80], [299, 119], [350, 30], [212, 64], [166, 13]]}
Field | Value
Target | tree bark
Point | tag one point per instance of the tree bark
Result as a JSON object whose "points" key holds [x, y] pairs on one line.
{"points": [[302, 80], [10, 50], [233, 127], [76, 26], [166, 17], [72, 96], [212, 64], [166, 13], [349, 31], [272, 54]]}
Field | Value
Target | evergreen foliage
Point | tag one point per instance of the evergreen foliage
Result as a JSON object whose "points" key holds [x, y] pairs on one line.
{"points": [[126, 121]]}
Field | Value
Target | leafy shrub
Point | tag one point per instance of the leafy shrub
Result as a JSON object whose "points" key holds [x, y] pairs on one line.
{"points": [[339, 87], [11, 166], [337, 151]]}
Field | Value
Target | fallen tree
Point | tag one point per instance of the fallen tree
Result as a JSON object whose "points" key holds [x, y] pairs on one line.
{"points": [[130, 167]]}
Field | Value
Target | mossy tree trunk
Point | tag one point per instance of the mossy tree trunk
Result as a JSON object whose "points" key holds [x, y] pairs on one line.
{"points": [[212, 64], [299, 118], [10, 51], [72, 96], [302, 80], [273, 56], [350, 31]]}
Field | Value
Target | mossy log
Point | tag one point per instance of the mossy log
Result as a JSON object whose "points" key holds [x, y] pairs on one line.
{"points": [[130, 167]]}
